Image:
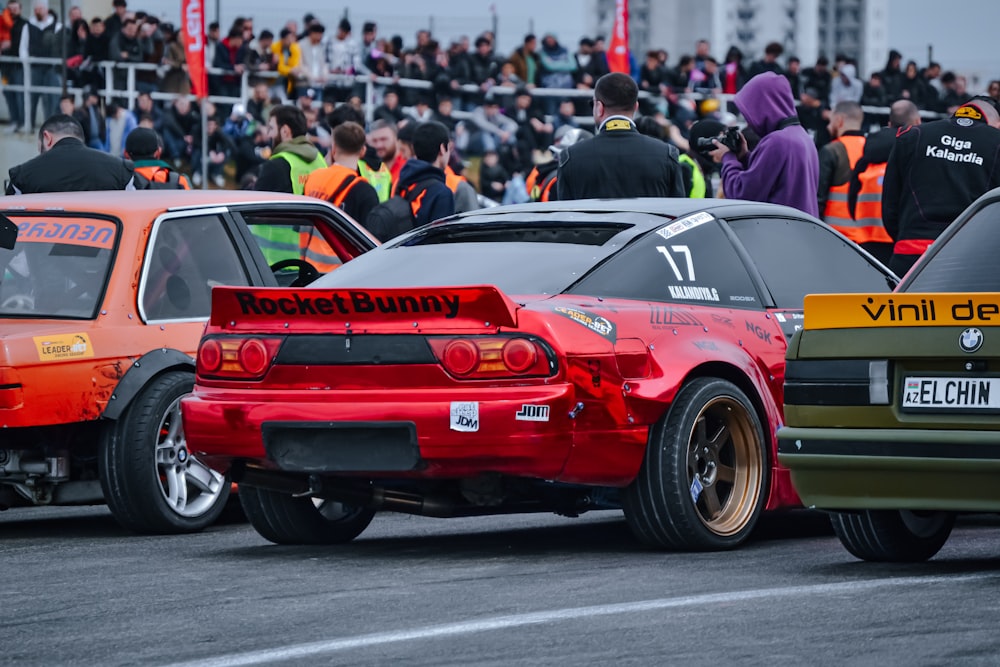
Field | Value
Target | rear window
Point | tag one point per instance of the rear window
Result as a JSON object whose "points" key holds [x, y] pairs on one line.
{"points": [[58, 268], [519, 257], [966, 262]]}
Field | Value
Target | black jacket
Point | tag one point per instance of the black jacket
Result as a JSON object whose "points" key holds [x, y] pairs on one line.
{"points": [[69, 166], [619, 162], [932, 176]]}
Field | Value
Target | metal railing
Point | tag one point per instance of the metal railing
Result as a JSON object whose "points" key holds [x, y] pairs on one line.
{"points": [[370, 82]]}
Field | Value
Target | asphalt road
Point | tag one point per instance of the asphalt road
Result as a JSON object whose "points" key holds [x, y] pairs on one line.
{"points": [[525, 590]]}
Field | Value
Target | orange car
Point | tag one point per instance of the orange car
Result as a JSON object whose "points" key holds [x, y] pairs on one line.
{"points": [[103, 298]]}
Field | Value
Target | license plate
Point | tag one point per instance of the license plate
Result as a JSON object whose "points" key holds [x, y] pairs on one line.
{"points": [[951, 393]]}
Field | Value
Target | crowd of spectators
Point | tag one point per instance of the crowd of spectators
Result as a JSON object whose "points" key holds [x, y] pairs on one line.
{"points": [[491, 102]]}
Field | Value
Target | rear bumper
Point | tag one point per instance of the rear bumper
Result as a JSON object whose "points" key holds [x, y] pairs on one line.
{"points": [[400, 434], [837, 468]]}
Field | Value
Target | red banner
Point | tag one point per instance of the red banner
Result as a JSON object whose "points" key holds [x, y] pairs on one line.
{"points": [[618, 60], [193, 20]]}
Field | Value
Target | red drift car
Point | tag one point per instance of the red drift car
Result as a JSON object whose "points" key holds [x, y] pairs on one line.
{"points": [[550, 357]]}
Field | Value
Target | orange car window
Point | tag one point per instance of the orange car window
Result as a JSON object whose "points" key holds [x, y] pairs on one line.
{"points": [[58, 267], [281, 238], [188, 257]]}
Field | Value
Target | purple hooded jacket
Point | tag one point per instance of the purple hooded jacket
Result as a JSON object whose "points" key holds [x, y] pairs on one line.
{"points": [[784, 167]]}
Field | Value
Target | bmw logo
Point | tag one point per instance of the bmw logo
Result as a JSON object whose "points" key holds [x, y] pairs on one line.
{"points": [[970, 340]]}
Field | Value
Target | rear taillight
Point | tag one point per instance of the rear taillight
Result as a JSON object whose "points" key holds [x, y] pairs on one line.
{"points": [[482, 358], [11, 394], [237, 357]]}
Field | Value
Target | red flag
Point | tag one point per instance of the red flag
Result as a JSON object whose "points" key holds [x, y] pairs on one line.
{"points": [[618, 60], [193, 19]]}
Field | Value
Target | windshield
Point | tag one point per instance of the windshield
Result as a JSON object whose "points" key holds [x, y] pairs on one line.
{"points": [[518, 258], [58, 267]]}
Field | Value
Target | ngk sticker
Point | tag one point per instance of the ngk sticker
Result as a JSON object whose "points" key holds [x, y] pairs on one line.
{"points": [[465, 416]]}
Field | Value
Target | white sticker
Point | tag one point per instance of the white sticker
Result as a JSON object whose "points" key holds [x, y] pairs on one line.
{"points": [[780, 316], [532, 413], [465, 416], [684, 224]]}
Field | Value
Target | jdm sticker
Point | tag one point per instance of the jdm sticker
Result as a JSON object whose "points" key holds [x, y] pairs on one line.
{"points": [[465, 416], [64, 346], [532, 413]]}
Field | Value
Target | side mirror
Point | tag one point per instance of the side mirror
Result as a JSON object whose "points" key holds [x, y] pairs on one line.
{"points": [[8, 232]]}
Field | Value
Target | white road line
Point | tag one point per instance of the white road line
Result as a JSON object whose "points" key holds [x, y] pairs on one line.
{"points": [[299, 651]]}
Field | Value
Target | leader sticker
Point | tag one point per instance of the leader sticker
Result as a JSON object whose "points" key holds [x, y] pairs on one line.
{"points": [[64, 346]]}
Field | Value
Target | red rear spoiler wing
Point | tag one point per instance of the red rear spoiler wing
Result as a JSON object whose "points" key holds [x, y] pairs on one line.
{"points": [[362, 310]]}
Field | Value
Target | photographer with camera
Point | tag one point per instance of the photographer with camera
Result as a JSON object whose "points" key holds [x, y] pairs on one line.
{"points": [[784, 167]]}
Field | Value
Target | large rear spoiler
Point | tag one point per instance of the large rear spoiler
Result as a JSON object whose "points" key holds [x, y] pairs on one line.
{"points": [[361, 310], [898, 309]]}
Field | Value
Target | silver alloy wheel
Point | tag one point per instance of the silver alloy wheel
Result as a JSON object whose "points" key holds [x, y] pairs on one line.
{"points": [[188, 485]]}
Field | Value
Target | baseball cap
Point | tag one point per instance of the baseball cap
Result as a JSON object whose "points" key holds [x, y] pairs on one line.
{"points": [[142, 142]]}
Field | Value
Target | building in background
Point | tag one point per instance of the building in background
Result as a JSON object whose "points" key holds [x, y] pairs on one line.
{"points": [[806, 28]]}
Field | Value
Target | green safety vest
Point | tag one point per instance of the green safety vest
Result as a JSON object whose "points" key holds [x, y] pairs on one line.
{"points": [[697, 178], [381, 180], [300, 169], [278, 242]]}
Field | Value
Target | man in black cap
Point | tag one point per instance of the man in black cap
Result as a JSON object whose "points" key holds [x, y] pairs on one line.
{"points": [[66, 165], [618, 161], [144, 147]]}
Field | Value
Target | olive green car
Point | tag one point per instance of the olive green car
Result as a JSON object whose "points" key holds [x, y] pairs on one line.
{"points": [[892, 401]]}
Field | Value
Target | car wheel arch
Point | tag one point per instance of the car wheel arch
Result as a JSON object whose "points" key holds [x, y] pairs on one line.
{"points": [[143, 371], [726, 371]]}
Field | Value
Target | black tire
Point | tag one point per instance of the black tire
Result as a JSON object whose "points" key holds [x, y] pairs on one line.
{"points": [[731, 466], [893, 536], [284, 519], [151, 482]]}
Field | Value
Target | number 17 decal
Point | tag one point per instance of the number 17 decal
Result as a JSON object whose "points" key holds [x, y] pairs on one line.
{"points": [[681, 250]]}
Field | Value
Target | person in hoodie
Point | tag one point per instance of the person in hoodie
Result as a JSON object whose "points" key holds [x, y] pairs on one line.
{"points": [[425, 171], [783, 167], [293, 157]]}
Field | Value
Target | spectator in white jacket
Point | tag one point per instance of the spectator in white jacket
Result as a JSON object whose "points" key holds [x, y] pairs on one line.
{"points": [[846, 86]]}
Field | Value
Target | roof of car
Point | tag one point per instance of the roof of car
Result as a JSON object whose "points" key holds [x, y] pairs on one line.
{"points": [[144, 202], [655, 205]]}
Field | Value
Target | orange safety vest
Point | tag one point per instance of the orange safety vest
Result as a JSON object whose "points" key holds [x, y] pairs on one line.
{"points": [[868, 211], [155, 174], [452, 179], [530, 182], [332, 184], [540, 190], [837, 214]]}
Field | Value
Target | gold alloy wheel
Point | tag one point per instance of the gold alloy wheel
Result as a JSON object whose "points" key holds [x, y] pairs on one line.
{"points": [[725, 466]]}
